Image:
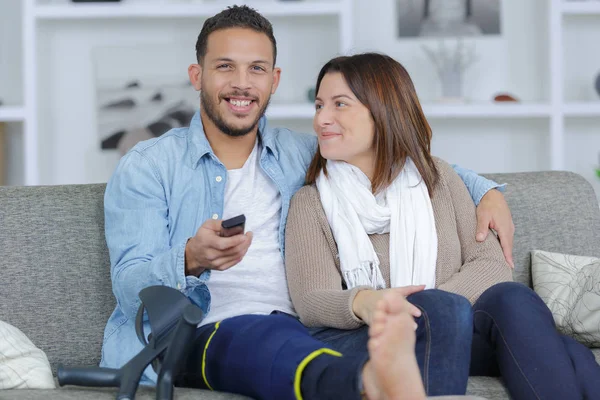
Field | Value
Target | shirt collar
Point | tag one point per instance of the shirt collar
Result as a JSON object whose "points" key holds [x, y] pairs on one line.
{"points": [[199, 146]]}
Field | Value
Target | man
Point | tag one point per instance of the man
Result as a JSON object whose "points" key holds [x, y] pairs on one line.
{"points": [[227, 161]]}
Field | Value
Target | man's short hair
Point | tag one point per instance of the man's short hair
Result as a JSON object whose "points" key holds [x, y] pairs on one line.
{"points": [[235, 17]]}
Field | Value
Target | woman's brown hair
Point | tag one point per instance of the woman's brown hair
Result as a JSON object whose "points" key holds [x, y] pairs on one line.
{"points": [[382, 85]]}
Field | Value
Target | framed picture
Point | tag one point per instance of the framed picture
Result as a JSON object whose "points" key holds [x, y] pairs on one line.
{"points": [[447, 18], [140, 95]]}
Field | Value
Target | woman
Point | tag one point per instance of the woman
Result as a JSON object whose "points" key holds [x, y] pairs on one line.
{"points": [[380, 215]]}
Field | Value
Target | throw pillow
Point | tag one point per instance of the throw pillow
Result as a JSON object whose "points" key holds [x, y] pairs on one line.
{"points": [[22, 364], [570, 287]]}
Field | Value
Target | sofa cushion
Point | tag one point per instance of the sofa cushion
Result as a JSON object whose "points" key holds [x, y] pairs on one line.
{"points": [[55, 269], [570, 287], [143, 393], [22, 364], [552, 211], [487, 387]]}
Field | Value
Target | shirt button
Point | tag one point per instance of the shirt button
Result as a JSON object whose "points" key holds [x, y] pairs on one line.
{"points": [[215, 216], [218, 179], [178, 285]]}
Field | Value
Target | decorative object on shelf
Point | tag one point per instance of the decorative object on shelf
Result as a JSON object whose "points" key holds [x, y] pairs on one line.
{"points": [[598, 84], [505, 97], [451, 65], [447, 18]]}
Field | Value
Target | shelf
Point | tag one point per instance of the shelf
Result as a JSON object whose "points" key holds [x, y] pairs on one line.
{"points": [[591, 109], [484, 110], [487, 110], [12, 114], [587, 7], [269, 8], [291, 111]]}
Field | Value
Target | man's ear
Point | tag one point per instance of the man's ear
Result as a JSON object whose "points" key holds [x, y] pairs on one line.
{"points": [[276, 78], [195, 74]]}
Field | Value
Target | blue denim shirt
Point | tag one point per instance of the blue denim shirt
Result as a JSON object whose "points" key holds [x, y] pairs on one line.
{"points": [[160, 194]]}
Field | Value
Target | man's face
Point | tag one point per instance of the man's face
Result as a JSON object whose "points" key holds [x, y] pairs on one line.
{"points": [[237, 79]]}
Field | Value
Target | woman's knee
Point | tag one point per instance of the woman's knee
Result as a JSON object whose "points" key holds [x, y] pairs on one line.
{"points": [[510, 299], [444, 307]]}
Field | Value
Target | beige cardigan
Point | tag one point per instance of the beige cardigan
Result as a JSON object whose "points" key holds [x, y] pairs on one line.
{"points": [[464, 266]]}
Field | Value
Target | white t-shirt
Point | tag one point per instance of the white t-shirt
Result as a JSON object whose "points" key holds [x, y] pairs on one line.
{"points": [[257, 285]]}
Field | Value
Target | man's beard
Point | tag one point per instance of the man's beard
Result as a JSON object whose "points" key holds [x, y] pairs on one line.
{"points": [[212, 112]]}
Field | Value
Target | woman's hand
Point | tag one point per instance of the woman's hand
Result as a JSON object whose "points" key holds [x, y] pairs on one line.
{"points": [[365, 301]]}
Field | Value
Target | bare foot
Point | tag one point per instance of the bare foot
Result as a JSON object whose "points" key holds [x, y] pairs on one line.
{"points": [[392, 372]]}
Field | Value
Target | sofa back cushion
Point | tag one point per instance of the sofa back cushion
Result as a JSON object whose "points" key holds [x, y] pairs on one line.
{"points": [[55, 283], [552, 211]]}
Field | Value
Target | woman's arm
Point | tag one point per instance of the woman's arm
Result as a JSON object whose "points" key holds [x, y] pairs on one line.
{"points": [[314, 280], [483, 263]]}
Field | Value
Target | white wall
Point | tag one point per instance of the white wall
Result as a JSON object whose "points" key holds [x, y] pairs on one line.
{"points": [[516, 61]]}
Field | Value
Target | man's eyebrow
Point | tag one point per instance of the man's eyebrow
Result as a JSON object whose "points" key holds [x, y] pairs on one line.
{"points": [[225, 59]]}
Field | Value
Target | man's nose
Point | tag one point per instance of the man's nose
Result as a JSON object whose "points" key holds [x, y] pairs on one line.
{"points": [[241, 80]]}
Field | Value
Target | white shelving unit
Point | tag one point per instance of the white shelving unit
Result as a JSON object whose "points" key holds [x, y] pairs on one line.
{"points": [[25, 113], [12, 114], [174, 10], [561, 109], [555, 111], [581, 7], [34, 14]]}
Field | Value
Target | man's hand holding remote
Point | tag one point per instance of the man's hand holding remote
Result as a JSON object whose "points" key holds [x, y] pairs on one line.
{"points": [[209, 250]]}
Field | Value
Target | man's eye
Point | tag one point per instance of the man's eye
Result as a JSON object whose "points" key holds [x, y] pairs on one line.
{"points": [[258, 68], [224, 66]]}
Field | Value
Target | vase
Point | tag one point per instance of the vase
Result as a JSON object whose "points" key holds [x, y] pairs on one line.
{"points": [[451, 80]]}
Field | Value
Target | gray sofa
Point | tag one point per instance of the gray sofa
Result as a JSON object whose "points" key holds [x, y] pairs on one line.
{"points": [[55, 282]]}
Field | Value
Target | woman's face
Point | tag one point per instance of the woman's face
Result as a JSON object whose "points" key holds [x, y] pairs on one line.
{"points": [[343, 125]]}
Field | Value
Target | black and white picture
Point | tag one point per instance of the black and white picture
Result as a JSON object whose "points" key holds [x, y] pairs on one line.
{"points": [[447, 18], [139, 95]]}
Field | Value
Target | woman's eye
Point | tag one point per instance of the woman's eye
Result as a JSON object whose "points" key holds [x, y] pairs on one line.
{"points": [[318, 106], [340, 104]]}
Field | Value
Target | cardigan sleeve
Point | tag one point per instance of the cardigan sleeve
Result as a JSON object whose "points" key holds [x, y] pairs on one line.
{"points": [[314, 281], [483, 263]]}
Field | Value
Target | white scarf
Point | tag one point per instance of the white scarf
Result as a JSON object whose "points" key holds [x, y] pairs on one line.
{"points": [[403, 209]]}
